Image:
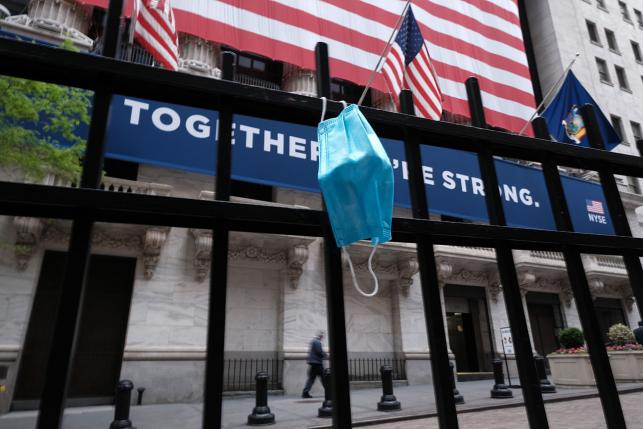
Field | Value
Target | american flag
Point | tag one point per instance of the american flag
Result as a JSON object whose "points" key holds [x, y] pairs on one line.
{"points": [[155, 30], [408, 66], [594, 206], [481, 38]]}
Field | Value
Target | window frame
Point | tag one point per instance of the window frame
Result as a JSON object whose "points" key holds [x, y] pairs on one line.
{"points": [[592, 28], [617, 123], [621, 77], [610, 37], [601, 63]]}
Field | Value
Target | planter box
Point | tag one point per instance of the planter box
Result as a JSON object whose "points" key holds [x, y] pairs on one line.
{"points": [[576, 369]]}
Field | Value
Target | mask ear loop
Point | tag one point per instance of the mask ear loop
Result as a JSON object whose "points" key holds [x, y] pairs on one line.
{"points": [[343, 103], [370, 269], [324, 105]]}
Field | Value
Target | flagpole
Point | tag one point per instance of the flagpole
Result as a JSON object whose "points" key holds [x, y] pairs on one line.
{"points": [[386, 48], [569, 67]]}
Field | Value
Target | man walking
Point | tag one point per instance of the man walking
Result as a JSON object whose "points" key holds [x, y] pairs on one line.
{"points": [[315, 364], [638, 333]]}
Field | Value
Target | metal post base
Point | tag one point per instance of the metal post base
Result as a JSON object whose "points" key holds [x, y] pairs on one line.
{"points": [[326, 410], [389, 403], [121, 424], [500, 391], [261, 416], [547, 387]]}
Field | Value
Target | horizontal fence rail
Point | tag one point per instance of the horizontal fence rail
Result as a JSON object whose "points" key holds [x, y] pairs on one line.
{"points": [[87, 205]]}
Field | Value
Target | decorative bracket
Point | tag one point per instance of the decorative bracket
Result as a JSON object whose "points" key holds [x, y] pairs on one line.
{"points": [[153, 242], [407, 268], [202, 252], [28, 233], [297, 257]]}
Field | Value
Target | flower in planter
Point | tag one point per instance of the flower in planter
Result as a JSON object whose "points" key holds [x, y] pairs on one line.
{"points": [[620, 335], [625, 348]]}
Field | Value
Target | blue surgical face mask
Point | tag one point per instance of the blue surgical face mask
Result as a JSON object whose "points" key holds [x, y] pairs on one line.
{"points": [[356, 179]]}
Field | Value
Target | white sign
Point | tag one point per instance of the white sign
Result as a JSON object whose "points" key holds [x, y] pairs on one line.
{"points": [[507, 341]]}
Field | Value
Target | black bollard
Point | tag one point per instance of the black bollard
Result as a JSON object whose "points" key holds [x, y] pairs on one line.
{"points": [[261, 414], [139, 399], [388, 402], [545, 385], [459, 399], [500, 389], [122, 404], [326, 410]]}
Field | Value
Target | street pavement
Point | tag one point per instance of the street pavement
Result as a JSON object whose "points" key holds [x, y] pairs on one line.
{"points": [[417, 401], [572, 414]]}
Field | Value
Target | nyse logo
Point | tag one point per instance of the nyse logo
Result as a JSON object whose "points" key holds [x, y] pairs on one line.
{"points": [[595, 211]]}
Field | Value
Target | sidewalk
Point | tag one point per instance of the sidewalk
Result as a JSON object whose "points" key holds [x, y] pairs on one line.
{"points": [[294, 412]]}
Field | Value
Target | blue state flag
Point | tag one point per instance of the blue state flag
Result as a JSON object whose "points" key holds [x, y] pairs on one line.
{"points": [[565, 122]]}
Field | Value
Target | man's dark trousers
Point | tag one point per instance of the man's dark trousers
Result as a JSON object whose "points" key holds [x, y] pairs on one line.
{"points": [[314, 370]]}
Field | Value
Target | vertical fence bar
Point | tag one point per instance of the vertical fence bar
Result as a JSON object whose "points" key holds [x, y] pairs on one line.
{"points": [[67, 323], [214, 362], [606, 384], [615, 206], [447, 415], [534, 404], [340, 387]]}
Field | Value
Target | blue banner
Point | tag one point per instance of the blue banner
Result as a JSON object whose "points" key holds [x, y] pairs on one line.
{"points": [[285, 155]]}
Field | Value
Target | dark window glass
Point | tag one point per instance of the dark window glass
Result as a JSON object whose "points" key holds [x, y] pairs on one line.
{"points": [[593, 32]]}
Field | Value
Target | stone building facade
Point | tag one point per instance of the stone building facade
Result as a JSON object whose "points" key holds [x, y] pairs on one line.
{"points": [[275, 293]]}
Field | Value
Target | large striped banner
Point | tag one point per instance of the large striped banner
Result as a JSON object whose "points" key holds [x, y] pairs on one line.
{"points": [[481, 38]]}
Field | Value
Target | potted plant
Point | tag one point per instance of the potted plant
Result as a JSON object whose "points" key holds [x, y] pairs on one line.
{"points": [[570, 365]]}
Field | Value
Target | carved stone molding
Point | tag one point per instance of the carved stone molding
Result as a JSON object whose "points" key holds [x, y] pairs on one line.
{"points": [[462, 276], [28, 233], [285, 251], [202, 252], [297, 257], [445, 270], [153, 242], [494, 290], [526, 278], [596, 287], [567, 295], [407, 268]]}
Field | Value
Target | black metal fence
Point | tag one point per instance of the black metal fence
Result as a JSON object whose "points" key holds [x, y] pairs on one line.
{"points": [[239, 374], [86, 205], [368, 369]]}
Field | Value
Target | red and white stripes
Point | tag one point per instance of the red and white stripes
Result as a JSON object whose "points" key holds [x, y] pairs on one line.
{"points": [[481, 38], [155, 30]]}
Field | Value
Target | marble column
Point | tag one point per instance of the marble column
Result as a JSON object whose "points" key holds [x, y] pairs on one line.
{"points": [[413, 340], [54, 21], [299, 81], [198, 56], [572, 319], [523, 295], [444, 317], [303, 314]]}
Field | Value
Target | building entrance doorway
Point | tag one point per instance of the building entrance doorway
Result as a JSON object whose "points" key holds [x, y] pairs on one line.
{"points": [[468, 329], [545, 320], [101, 340], [609, 311]]}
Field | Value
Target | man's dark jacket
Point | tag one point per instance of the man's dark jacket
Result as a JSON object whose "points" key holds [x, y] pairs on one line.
{"points": [[316, 354], [638, 333]]}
